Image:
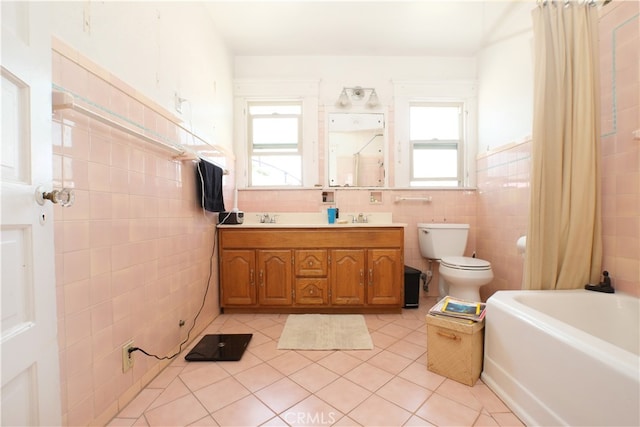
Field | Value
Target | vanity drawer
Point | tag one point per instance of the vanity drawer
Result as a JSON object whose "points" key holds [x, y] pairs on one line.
{"points": [[312, 291], [311, 263]]}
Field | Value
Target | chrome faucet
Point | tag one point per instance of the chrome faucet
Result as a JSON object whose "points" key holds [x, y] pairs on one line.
{"points": [[265, 218], [362, 218]]}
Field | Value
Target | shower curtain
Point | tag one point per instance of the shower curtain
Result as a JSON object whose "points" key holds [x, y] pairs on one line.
{"points": [[564, 243]]}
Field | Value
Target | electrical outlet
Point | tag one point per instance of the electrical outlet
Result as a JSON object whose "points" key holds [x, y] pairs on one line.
{"points": [[127, 358]]}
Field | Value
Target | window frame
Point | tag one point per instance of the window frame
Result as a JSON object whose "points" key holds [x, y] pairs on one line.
{"points": [[251, 152], [415, 182]]}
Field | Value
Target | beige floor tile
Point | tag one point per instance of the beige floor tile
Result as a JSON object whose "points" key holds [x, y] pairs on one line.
{"points": [[173, 391], [289, 362], [314, 377], [411, 323], [165, 377], [343, 394], [418, 337], [208, 373], [266, 351], [275, 422], [218, 395], [390, 362], [180, 412], [485, 420], [459, 393], [204, 422], [404, 393], [346, 422], [395, 330], [258, 377], [138, 405], [248, 411], [389, 385], [282, 395], [376, 411], [490, 402], [374, 322], [407, 349], [248, 361], [507, 419], [442, 411], [416, 421], [369, 376], [339, 362], [418, 373], [312, 411], [316, 355], [382, 340]]}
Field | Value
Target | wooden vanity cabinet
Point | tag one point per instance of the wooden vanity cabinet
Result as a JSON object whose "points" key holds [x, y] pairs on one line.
{"points": [[357, 269], [256, 277]]}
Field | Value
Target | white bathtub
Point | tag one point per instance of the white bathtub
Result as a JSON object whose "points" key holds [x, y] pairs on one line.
{"points": [[565, 357]]}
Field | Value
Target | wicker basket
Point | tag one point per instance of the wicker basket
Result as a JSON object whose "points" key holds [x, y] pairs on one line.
{"points": [[455, 348]]}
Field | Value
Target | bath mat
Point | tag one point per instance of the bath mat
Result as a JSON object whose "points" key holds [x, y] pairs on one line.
{"points": [[325, 332]]}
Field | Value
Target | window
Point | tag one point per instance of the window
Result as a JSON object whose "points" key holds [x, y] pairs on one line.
{"points": [[275, 135], [436, 135]]}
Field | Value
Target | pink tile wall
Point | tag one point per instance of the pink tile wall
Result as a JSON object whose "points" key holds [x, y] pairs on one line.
{"points": [[133, 252], [503, 211], [620, 112], [503, 176]]}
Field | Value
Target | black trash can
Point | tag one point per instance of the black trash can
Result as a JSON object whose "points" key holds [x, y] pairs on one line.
{"points": [[411, 287]]}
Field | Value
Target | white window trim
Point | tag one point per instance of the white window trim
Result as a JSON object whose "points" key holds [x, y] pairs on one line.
{"points": [[446, 91], [307, 92]]}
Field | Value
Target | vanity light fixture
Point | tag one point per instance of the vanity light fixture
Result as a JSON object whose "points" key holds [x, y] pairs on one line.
{"points": [[357, 93]]}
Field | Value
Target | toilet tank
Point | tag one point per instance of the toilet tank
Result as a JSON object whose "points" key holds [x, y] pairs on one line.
{"points": [[442, 240]]}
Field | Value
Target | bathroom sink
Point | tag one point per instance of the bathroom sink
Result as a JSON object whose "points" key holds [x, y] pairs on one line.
{"points": [[314, 220]]}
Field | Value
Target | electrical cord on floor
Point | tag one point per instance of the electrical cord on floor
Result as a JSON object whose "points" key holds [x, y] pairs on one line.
{"points": [[186, 340]]}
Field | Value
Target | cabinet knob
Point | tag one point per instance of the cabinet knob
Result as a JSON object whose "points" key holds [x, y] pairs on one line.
{"points": [[310, 263]]}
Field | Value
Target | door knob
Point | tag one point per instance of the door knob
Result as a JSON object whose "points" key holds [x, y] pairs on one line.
{"points": [[64, 197]]}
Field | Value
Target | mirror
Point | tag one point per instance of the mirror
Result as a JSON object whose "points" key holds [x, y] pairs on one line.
{"points": [[356, 150]]}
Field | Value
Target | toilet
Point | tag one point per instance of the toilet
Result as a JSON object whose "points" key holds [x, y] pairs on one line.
{"points": [[460, 276]]}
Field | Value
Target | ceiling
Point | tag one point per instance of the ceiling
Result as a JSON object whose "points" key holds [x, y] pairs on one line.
{"points": [[363, 28]]}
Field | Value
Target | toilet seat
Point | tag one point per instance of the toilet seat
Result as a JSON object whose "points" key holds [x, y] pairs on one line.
{"points": [[465, 263]]}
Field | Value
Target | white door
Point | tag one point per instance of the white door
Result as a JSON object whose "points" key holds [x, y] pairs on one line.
{"points": [[30, 370]]}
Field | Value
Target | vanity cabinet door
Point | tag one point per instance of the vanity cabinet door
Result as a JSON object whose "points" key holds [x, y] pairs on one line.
{"points": [[275, 277], [237, 277], [384, 276], [347, 276]]}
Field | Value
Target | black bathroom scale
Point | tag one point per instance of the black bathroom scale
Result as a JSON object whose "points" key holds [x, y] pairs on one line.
{"points": [[219, 348]]}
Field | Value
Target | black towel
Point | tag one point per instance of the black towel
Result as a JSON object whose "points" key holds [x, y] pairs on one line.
{"points": [[209, 184]]}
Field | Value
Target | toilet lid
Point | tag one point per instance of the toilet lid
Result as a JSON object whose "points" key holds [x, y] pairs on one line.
{"points": [[465, 263]]}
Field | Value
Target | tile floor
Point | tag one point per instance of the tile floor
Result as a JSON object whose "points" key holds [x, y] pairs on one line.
{"points": [[387, 386]]}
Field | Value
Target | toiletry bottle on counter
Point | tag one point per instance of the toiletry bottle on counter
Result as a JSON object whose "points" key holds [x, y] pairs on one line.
{"points": [[331, 214]]}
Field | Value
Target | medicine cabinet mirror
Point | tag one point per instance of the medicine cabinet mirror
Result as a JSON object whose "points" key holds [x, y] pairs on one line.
{"points": [[356, 150]]}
